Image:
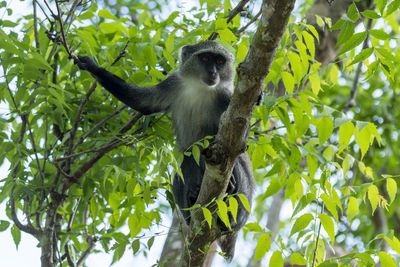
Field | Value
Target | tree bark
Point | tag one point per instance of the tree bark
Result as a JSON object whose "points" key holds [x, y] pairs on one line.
{"points": [[231, 137]]}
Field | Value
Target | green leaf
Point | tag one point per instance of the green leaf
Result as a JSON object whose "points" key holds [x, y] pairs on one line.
{"points": [[312, 163], [315, 82], [391, 187], [276, 259], [253, 227], [381, 4], [263, 245], [364, 54], [221, 24], [352, 12], [222, 213], [241, 52], [353, 42], [328, 225], [373, 196], [371, 69], [297, 66], [325, 129], [352, 208], [393, 6], [371, 14], [135, 246], [386, 260], [346, 32], [309, 40], [104, 13], [207, 216], [330, 205], [16, 235], [301, 223], [169, 44], [227, 36], [87, 15], [257, 158], [288, 81], [196, 154], [245, 202], [380, 34], [346, 131], [366, 137], [233, 207], [150, 55], [297, 259], [134, 225], [385, 54], [4, 225], [394, 243], [150, 242]]}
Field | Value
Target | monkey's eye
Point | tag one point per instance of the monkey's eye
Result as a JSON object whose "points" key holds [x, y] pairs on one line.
{"points": [[220, 60], [205, 58]]}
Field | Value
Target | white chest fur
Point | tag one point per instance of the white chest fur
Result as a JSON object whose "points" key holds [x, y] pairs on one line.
{"points": [[194, 112]]}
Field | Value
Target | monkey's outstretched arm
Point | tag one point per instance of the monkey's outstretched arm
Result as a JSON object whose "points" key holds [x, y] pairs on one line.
{"points": [[146, 100]]}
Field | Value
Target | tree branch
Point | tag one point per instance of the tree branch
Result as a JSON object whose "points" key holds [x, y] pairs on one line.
{"points": [[25, 228], [231, 15], [248, 24], [231, 138], [64, 40], [98, 125]]}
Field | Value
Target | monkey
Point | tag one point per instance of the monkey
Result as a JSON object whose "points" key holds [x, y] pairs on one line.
{"points": [[196, 95]]}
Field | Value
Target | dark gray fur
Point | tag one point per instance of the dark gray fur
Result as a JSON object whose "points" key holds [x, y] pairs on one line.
{"points": [[196, 95]]}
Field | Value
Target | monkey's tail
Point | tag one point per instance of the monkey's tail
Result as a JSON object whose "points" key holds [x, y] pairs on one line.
{"points": [[227, 244]]}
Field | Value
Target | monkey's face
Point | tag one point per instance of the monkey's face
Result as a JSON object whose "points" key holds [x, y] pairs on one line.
{"points": [[211, 67]]}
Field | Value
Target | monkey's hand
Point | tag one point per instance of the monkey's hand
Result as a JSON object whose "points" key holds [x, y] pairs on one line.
{"points": [[86, 63]]}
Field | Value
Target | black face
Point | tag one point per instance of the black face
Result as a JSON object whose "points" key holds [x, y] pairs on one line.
{"points": [[212, 64]]}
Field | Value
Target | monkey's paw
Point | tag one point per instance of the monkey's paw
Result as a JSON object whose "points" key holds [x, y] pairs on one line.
{"points": [[86, 63]]}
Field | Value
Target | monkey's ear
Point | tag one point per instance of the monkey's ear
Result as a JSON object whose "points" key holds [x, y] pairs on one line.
{"points": [[187, 50]]}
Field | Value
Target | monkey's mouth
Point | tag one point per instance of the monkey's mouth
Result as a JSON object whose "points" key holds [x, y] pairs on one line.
{"points": [[211, 81]]}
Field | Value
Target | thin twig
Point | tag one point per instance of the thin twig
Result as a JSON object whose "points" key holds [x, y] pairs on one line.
{"points": [[51, 11], [64, 40], [121, 54], [68, 255], [116, 142], [317, 240], [78, 118], [92, 243], [44, 12], [71, 14], [98, 125], [248, 24], [239, 7], [66, 175], [35, 26], [25, 228]]}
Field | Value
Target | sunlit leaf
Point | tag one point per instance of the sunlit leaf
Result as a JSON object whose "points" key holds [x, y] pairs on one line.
{"points": [[386, 259], [263, 245], [328, 225], [301, 223], [352, 208], [373, 196], [276, 259], [207, 216], [391, 187]]}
